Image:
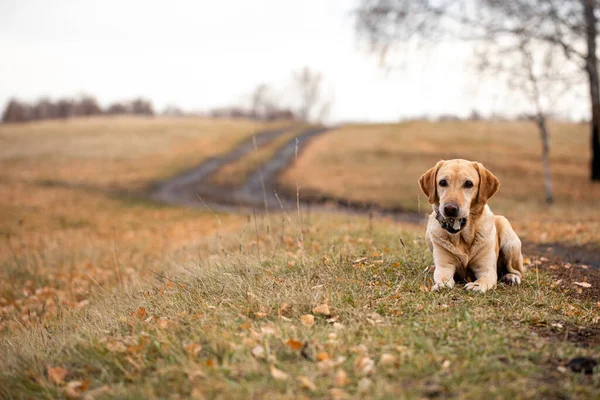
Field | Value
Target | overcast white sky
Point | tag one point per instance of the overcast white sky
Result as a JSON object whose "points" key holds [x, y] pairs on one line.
{"points": [[205, 54]]}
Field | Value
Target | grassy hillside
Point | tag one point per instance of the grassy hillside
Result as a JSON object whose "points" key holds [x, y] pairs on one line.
{"points": [[65, 237], [120, 152], [381, 164], [108, 296], [340, 309]]}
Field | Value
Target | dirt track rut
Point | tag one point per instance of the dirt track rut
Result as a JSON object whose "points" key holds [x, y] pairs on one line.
{"points": [[193, 188]]}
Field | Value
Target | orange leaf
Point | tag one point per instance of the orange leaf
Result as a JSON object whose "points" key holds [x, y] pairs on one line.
{"points": [[141, 313], [278, 374], [322, 356], [306, 383], [307, 319], [56, 374], [193, 349], [322, 309], [294, 344]]}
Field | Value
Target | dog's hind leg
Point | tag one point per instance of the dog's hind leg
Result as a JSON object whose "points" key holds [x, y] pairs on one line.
{"points": [[510, 259]]}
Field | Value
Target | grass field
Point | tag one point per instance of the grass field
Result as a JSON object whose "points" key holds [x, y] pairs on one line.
{"points": [[340, 311], [118, 153], [381, 164], [64, 237], [104, 295]]}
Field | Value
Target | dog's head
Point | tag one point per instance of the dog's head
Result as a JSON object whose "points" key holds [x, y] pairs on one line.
{"points": [[459, 189]]}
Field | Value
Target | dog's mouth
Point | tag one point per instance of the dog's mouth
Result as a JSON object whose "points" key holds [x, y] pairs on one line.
{"points": [[452, 225]]}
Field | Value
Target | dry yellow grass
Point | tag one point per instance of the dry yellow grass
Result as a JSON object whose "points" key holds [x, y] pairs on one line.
{"points": [[63, 237], [332, 306], [381, 164], [121, 152]]}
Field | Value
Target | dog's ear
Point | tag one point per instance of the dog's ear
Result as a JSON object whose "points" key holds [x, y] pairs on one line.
{"points": [[488, 183], [428, 183]]}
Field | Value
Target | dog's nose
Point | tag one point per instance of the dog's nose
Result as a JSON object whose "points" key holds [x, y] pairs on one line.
{"points": [[451, 210]]}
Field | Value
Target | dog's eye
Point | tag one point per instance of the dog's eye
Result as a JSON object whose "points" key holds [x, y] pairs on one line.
{"points": [[443, 183], [468, 184]]}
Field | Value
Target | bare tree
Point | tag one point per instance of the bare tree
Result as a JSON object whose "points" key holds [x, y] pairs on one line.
{"points": [[261, 101], [569, 26], [87, 106], [16, 111], [312, 104], [538, 87], [141, 106]]}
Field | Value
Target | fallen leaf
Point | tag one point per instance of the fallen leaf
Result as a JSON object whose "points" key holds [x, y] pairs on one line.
{"points": [[268, 330], [341, 378], [360, 349], [278, 374], [388, 359], [294, 344], [74, 389], [116, 346], [306, 383], [258, 352], [56, 374], [260, 315], [193, 349], [141, 313], [583, 284], [322, 309], [325, 366], [322, 356], [162, 323], [284, 308], [365, 365], [337, 326], [307, 319]]}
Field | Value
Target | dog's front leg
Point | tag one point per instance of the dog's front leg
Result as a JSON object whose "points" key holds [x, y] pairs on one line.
{"points": [[445, 267], [484, 269]]}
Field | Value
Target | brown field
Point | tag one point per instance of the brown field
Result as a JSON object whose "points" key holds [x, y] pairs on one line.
{"points": [[121, 152], [64, 236], [105, 295], [381, 164]]}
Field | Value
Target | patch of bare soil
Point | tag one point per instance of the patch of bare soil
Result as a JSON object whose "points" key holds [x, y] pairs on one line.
{"points": [[583, 336], [573, 268]]}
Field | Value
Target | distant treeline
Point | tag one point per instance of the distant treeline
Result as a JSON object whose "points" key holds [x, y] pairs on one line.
{"points": [[272, 114], [19, 111]]}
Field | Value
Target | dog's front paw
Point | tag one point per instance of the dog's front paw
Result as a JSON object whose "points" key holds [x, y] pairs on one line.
{"points": [[478, 287], [511, 279], [449, 284]]}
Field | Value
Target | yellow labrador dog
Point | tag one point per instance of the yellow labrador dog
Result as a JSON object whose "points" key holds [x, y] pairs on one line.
{"points": [[466, 238]]}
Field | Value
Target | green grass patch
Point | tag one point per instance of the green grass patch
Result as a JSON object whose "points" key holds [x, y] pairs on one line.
{"points": [[240, 325]]}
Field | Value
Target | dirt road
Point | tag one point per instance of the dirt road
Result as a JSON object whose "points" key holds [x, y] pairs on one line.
{"points": [[261, 191]]}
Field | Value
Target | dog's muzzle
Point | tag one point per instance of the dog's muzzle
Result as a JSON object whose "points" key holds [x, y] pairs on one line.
{"points": [[452, 225]]}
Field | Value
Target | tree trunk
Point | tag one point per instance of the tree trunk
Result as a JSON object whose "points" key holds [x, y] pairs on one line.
{"points": [[545, 136], [589, 7]]}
